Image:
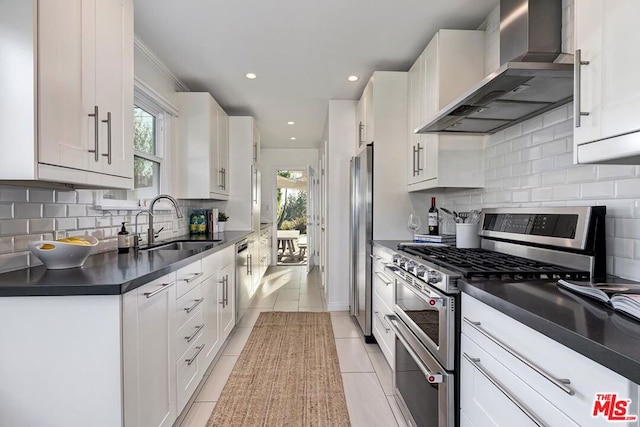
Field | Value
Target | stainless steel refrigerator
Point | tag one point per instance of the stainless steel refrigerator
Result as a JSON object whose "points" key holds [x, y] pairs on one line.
{"points": [[361, 234]]}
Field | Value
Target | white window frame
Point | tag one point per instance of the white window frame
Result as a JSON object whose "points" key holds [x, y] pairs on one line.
{"points": [[146, 98]]}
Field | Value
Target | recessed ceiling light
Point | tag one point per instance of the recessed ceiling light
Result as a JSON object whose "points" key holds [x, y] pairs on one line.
{"points": [[353, 78], [291, 123], [250, 76], [293, 138]]}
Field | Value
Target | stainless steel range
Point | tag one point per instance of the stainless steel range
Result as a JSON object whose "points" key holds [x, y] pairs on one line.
{"points": [[516, 244]]}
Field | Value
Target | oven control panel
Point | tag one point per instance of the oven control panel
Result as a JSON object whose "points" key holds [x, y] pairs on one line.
{"points": [[548, 225], [422, 272]]}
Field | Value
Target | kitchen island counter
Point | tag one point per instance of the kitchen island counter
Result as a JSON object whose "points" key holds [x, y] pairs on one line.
{"points": [[110, 273]]}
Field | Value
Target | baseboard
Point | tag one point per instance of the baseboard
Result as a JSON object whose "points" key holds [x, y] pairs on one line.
{"points": [[337, 306]]}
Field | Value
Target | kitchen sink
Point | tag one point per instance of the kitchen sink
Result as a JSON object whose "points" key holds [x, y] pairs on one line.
{"points": [[184, 246]]}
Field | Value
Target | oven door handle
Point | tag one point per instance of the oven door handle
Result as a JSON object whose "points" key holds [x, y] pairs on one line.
{"points": [[560, 383], [435, 303], [475, 362], [432, 377]]}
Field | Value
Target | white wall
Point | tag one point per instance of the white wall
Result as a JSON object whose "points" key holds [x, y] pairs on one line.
{"points": [[341, 147]]}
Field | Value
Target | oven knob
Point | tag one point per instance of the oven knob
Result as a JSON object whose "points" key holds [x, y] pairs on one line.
{"points": [[433, 277], [396, 258], [411, 265], [421, 270], [403, 262]]}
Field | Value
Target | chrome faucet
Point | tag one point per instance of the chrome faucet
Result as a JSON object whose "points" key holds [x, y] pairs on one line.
{"points": [[136, 235], [151, 233]]}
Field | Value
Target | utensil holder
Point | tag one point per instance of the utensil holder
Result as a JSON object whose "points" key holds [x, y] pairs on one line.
{"points": [[467, 236]]}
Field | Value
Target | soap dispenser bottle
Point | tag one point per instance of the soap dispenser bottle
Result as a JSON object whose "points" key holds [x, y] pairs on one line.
{"points": [[123, 240]]}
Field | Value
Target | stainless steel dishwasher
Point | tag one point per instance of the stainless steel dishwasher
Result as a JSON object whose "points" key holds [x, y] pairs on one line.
{"points": [[243, 278]]}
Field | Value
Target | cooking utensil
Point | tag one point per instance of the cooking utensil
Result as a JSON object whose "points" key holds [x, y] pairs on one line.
{"points": [[473, 217], [454, 215]]}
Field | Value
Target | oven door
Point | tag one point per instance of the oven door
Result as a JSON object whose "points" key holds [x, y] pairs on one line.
{"points": [[429, 314], [424, 390]]}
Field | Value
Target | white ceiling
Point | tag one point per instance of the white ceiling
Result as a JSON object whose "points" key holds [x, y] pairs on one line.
{"points": [[301, 50]]}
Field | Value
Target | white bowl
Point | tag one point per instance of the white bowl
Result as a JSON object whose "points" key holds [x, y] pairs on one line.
{"points": [[63, 254]]}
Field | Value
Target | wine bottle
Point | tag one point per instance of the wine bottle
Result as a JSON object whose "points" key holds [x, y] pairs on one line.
{"points": [[433, 218]]}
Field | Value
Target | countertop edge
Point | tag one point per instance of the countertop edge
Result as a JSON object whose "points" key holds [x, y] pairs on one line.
{"points": [[599, 353]]}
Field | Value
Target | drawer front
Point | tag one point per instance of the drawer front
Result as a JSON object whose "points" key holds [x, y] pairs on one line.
{"points": [[189, 371], [227, 256], [188, 277], [210, 265], [188, 333], [383, 286], [538, 360], [492, 395], [156, 285], [382, 331], [188, 304]]}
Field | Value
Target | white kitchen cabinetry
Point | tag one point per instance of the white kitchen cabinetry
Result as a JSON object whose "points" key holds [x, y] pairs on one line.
{"points": [[383, 302], [149, 318], [244, 153], [452, 62], [531, 370], [227, 293], [607, 90], [265, 249], [202, 165], [76, 125], [386, 127], [365, 117]]}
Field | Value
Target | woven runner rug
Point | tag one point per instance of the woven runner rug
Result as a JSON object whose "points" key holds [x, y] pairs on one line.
{"points": [[287, 375]]}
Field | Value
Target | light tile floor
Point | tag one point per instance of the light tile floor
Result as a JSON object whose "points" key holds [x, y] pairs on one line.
{"points": [[366, 374]]}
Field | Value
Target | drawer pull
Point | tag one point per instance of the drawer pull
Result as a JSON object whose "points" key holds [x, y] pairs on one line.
{"points": [[560, 383], [193, 335], [383, 322], [383, 278], [476, 364], [193, 277], [160, 289], [193, 358], [197, 303]]}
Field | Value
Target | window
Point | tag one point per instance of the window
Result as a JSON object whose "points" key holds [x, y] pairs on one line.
{"points": [[151, 118]]}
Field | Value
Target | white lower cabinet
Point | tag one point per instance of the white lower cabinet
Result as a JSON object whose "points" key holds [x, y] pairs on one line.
{"points": [[512, 375], [226, 299], [382, 304], [149, 316]]}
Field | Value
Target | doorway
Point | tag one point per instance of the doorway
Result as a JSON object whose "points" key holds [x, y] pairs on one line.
{"points": [[292, 208]]}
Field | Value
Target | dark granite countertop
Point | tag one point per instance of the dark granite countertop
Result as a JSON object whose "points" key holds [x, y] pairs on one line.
{"points": [[577, 322], [110, 273]]}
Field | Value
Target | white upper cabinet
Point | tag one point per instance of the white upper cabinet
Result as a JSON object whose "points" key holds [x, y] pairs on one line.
{"points": [[607, 90], [451, 63], [365, 117], [202, 165], [83, 96]]}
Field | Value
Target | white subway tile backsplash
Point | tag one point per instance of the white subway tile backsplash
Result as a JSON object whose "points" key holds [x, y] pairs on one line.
{"points": [[520, 169], [13, 194], [627, 268], [11, 227], [532, 125], [513, 157], [618, 208], [504, 148], [555, 177], [513, 132], [39, 195], [542, 194], [532, 153], [563, 160], [627, 228], [503, 172], [543, 135], [530, 181], [521, 196], [66, 224], [76, 210], [6, 210], [597, 190], [54, 211], [103, 222], [619, 247], [511, 183], [41, 225], [628, 188], [541, 165], [583, 173], [66, 197], [6, 245], [554, 116], [566, 192], [522, 142], [27, 210], [88, 222], [14, 261], [552, 148], [20, 243], [636, 249], [563, 129], [616, 171], [85, 196]]}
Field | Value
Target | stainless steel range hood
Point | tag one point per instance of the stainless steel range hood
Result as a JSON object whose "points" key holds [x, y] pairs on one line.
{"points": [[527, 84]]}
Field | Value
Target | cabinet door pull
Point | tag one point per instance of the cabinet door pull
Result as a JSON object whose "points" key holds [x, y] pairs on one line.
{"points": [[414, 160], [96, 132], [383, 278], [193, 277], [193, 335], [160, 289], [108, 122], [383, 322], [197, 303], [193, 358], [476, 364], [224, 178], [418, 168], [577, 85], [223, 292], [560, 383], [226, 290], [360, 133]]}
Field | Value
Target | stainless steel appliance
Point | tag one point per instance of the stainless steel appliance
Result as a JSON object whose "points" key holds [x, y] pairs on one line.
{"points": [[243, 278], [529, 82], [535, 244], [361, 228]]}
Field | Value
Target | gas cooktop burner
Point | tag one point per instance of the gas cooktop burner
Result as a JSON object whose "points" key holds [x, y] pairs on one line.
{"points": [[484, 264]]}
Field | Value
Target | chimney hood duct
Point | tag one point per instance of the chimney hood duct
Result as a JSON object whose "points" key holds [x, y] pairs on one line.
{"points": [[527, 84]]}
